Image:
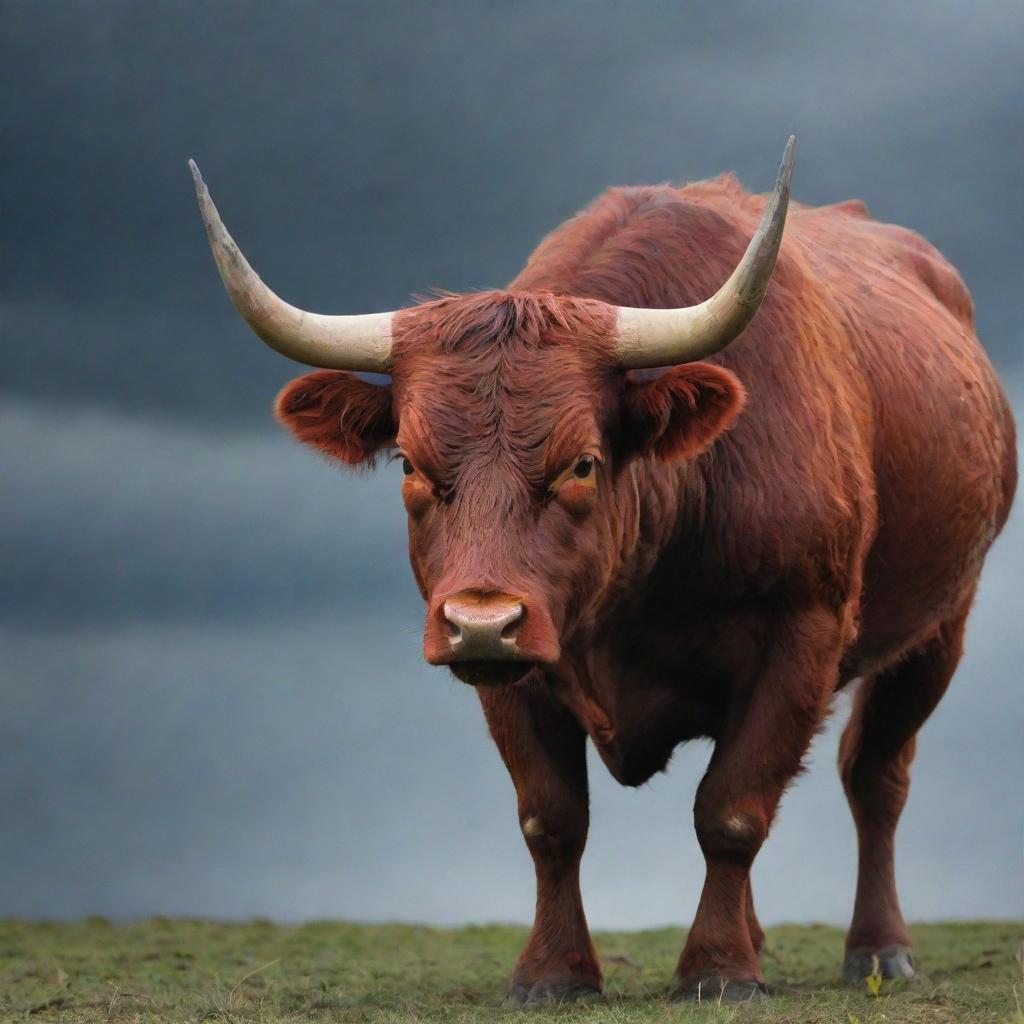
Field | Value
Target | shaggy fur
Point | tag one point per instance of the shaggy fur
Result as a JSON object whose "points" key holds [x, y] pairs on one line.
{"points": [[810, 506]]}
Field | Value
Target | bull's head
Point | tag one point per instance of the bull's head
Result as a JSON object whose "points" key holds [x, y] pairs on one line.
{"points": [[513, 416]]}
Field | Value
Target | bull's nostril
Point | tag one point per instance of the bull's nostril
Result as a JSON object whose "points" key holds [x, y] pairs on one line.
{"points": [[452, 626], [512, 626]]}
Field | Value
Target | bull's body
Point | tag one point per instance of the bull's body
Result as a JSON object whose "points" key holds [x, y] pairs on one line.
{"points": [[836, 530], [872, 466], [630, 557]]}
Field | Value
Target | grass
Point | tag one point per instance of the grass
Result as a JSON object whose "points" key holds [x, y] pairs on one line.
{"points": [[183, 970]]}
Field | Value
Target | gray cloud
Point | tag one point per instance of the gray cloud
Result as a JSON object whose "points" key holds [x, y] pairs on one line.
{"points": [[364, 156], [215, 703], [116, 518], [320, 769]]}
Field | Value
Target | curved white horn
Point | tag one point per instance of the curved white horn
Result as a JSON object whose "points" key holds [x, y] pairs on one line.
{"points": [[668, 337], [333, 342]]}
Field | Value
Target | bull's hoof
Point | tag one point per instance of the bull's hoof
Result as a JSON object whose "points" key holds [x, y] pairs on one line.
{"points": [[893, 963], [551, 993], [720, 990]]}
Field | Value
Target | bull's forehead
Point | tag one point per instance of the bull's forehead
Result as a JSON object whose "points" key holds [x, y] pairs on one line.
{"points": [[531, 408], [514, 377]]}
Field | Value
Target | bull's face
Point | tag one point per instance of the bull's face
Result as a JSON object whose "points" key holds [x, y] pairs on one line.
{"points": [[515, 417], [513, 422]]}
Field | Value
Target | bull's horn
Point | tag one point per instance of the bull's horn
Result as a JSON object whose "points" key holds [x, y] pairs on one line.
{"points": [[667, 337], [334, 342]]}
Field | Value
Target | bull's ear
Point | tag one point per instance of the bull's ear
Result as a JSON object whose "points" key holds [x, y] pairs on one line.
{"points": [[680, 413], [339, 414]]}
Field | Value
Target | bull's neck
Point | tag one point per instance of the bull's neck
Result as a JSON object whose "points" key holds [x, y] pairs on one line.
{"points": [[654, 504]]}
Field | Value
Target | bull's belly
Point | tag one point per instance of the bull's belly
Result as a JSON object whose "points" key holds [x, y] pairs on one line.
{"points": [[936, 524], [904, 614]]}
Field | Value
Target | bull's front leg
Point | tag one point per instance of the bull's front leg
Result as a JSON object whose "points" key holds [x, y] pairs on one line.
{"points": [[544, 749], [767, 730]]}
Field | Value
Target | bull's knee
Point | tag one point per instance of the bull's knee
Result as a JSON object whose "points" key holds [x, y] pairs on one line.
{"points": [[553, 837], [730, 835]]}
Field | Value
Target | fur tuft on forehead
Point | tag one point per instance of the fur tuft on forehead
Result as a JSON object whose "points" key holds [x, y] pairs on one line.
{"points": [[484, 321]]}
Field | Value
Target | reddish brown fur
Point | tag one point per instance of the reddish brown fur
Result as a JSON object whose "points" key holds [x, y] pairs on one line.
{"points": [[729, 571]]}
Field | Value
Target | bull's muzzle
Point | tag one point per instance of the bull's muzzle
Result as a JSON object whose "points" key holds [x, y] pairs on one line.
{"points": [[483, 628], [488, 636]]}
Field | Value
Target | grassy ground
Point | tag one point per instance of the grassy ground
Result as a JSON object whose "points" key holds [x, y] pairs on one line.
{"points": [[172, 970]]}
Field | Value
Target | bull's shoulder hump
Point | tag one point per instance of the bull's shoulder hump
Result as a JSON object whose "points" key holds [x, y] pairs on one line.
{"points": [[845, 208]]}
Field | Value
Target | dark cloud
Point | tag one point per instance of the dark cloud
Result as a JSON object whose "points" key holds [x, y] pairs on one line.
{"points": [[365, 152], [213, 696]]}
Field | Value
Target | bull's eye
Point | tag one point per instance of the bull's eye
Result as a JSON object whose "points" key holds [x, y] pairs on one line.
{"points": [[407, 468], [575, 489]]}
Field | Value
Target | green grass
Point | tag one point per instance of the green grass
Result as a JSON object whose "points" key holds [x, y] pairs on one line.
{"points": [[178, 970]]}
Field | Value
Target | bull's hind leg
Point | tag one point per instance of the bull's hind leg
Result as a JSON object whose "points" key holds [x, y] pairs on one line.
{"points": [[544, 749], [753, 925], [874, 762]]}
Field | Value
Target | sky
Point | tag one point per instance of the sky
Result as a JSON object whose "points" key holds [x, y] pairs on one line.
{"points": [[212, 695]]}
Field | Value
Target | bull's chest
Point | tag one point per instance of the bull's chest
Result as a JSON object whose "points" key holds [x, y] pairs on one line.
{"points": [[636, 718]]}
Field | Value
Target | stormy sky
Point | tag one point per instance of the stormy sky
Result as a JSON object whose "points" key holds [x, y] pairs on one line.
{"points": [[212, 698]]}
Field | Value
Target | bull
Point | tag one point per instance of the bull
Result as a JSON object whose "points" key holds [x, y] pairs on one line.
{"points": [[641, 515]]}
